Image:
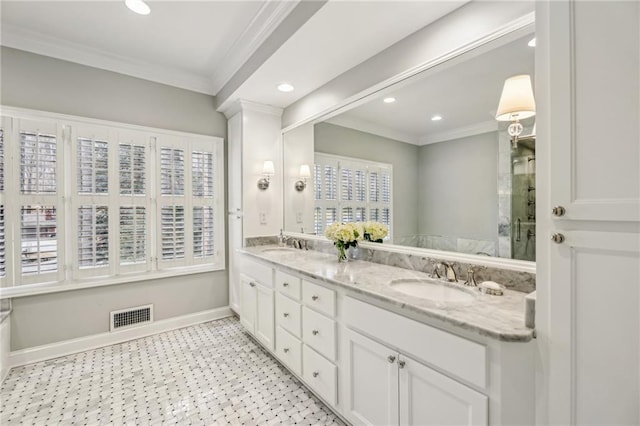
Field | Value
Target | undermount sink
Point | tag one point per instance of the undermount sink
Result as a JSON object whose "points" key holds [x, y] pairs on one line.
{"points": [[433, 290]]}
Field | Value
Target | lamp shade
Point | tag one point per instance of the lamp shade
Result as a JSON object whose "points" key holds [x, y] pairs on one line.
{"points": [[305, 171], [516, 102], [268, 168]]}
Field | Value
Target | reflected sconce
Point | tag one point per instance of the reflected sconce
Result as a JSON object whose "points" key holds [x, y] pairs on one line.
{"points": [[516, 103], [305, 173], [268, 170]]}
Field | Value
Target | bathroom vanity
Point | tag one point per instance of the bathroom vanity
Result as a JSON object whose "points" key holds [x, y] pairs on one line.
{"points": [[377, 352]]}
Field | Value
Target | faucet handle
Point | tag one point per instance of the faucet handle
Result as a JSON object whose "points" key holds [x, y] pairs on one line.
{"points": [[471, 278], [435, 273]]}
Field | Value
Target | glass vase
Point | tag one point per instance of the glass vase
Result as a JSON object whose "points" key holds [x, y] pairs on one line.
{"points": [[342, 254]]}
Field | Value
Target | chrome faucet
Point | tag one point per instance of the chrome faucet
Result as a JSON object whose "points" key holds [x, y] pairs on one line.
{"points": [[450, 272]]}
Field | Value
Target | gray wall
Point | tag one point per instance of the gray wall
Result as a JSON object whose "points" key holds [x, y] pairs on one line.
{"points": [[338, 140], [42, 83], [458, 188]]}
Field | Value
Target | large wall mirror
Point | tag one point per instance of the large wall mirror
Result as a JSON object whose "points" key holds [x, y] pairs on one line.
{"points": [[428, 157]]}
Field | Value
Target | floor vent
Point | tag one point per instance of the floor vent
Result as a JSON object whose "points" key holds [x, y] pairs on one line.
{"points": [[131, 317]]}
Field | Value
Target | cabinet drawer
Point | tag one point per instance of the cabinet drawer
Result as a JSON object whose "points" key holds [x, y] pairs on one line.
{"points": [[319, 298], [289, 349], [319, 332], [289, 285], [321, 375], [258, 271], [288, 315]]}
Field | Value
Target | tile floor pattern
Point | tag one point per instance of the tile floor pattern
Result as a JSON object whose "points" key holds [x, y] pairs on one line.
{"points": [[208, 374]]}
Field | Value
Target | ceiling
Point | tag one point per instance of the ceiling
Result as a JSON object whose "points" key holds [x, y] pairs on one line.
{"points": [[465, 93], [201, 45]]}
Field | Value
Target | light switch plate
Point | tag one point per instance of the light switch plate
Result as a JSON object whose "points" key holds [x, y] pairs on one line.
{"points": [[263, 218]]}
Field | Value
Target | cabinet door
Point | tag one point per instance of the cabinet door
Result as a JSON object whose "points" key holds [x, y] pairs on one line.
{"points": [[370, 375], [264, 322], [248, 303], [594, 103], [430, 398]]}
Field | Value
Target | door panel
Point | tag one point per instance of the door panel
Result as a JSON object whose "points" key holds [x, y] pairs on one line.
{"points": [[248, 303], [430, 398], [264, 316], [371, 380]]}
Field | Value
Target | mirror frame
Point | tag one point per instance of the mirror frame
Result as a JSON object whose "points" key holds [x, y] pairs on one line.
{"points": [[515, 29]]}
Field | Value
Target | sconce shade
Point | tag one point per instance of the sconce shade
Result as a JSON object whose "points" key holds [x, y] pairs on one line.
{"points": [[517, 101], [268, 169], [305, 171]]}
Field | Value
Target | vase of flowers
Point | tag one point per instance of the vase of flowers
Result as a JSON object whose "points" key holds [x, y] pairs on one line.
{"points": [[344, 235], [374, 231]]}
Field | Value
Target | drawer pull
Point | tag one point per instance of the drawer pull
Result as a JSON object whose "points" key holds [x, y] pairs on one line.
{"points": [[401, 364], [285, 284], [285, 314], [316, 374], [314, 297], [286, 350], [391, 359], [252, 284], [315, 332]]}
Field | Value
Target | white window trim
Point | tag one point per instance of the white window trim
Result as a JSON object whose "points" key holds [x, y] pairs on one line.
{"points": [[68, 277]]}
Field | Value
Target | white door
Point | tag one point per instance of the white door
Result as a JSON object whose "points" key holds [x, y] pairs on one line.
{"points": [[264, 321], [588, 321], [428, 398], [370, 377], [248, 303]]}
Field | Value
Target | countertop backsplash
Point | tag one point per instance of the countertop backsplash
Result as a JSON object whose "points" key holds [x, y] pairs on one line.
{"points": [[514, 280]]}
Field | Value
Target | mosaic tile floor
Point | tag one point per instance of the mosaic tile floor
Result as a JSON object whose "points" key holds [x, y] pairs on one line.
{"points": [[208, 374]]}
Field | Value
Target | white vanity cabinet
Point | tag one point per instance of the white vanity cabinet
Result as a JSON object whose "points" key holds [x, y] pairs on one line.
{"points": [[257, 302], [385, 386]]}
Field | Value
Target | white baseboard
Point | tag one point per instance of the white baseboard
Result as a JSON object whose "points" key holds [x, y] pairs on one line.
{"points": [[82, 344]]}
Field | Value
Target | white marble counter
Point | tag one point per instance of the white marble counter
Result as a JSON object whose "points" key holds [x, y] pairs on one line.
{"points": [[498, 317]]}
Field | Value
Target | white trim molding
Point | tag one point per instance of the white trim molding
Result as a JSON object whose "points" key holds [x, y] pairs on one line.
{"points": [[244, 105], [82, 344], [461, 132], [373, 128]]}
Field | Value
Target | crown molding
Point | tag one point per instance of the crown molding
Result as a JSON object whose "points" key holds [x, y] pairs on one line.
{"points": [[34, 42], [244, 105], [268, 18], [461, 132], [373, 128]]}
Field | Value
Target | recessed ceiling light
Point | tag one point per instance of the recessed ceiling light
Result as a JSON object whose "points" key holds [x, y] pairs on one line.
{"points": [[389, 100], [285, 87], [138, 6], [436, 118], [532, 42]]}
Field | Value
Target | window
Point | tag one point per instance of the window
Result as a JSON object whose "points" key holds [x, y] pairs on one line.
{"points": [[115, 200], [351, 190]]}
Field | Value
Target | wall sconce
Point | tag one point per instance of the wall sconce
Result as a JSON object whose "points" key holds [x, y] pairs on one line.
{"points": [[516, 103], [268, 170], [305, 173]]}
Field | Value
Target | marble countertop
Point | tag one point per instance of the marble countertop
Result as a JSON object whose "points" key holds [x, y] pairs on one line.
{"points": [[498, 317]]}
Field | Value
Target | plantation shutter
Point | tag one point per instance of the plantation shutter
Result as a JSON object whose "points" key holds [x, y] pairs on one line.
{"points": [[93, 236], [173, 156], [365, 191], [203, 200], [93, 166], [134, 214], [36, 209]]}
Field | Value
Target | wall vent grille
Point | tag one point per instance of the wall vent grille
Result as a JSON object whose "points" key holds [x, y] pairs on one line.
{"points": [[131, 317]]}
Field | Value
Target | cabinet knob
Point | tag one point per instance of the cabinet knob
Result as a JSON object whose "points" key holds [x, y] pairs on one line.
{"points": [[285, 284], [557, 238], [252, 284], [316, 374], [315, 332], [558, 211], [315, 297], [286, 350], [286, 314], [391, 359], [401, 364]]}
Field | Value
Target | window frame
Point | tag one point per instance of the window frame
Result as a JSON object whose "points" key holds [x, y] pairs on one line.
{"points": [[67, 200]]}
